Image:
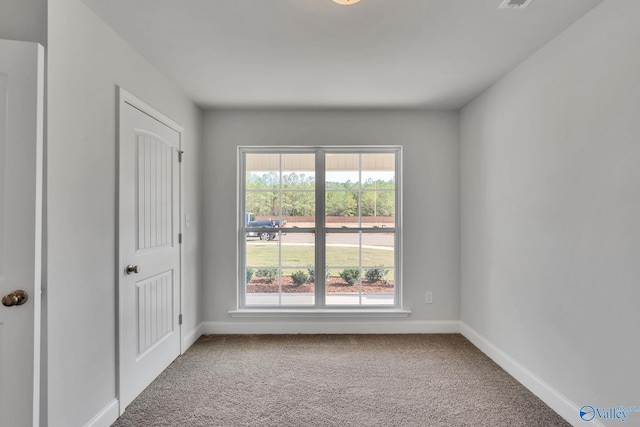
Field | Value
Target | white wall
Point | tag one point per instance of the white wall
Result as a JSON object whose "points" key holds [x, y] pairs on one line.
{"points": [[86, 61], [24, 20], [550, 210], [431, 199]]}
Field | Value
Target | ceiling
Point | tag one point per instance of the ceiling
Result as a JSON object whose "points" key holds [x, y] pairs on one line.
{"points": [[436, 54]]}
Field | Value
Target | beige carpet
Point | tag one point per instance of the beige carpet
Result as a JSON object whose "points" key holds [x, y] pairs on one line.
{"points": [[336, 380]]}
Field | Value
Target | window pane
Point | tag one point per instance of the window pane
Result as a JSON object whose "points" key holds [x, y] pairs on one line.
{"points": [[262, 171], [380, 292], [378, 256], [261, 253], [298, 184], [343, 286], [262, 163], [342, 254], [378, 209], [262, 286], [299, 208], [299, 171], [378, 250], [342, 250], [298, 250], [264, 205], [278, 270], [295, 294], [298, 269], [379, 167], [262, 198], [263, 181], [341, 209], [342, 171], [297, 263], [361, 268]]}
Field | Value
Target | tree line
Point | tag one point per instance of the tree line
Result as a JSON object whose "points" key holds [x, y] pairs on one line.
{"points": [[264, 198]]}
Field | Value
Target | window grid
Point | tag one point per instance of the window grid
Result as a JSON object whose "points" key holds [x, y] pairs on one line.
{"points": [[321, 228]]}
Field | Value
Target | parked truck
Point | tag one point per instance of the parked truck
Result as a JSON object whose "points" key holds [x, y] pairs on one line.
{"points": [[250, 222]]}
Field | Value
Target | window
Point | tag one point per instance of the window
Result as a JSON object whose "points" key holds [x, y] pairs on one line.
{"points": [[319, 227]]}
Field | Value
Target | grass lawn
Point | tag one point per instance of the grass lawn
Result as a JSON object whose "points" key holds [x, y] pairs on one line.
{"points": [[298, 257]]}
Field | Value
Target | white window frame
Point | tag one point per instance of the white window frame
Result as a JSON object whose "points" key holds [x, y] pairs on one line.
{"points": [[320, 230]]}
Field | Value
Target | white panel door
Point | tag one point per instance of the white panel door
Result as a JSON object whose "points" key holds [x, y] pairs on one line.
{"points": [[21, 103], [149, 261]]}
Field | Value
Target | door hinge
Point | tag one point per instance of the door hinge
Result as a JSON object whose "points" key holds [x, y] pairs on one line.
{"points": [[180, 319], [180, 153], [180, 238]]}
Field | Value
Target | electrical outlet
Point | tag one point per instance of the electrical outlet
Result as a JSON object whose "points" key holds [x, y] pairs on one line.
{"points": [[428, 297]]}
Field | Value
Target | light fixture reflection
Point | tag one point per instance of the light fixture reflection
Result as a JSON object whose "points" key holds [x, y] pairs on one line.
{"points": [[346, 2]]}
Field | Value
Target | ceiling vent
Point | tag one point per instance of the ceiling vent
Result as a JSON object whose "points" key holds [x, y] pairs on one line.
{"points": [[514, 4]]}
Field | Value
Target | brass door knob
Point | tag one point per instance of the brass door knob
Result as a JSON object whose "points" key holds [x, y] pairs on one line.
{"points": [[15, 298], [131, 269]]}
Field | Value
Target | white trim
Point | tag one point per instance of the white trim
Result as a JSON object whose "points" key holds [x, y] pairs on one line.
{"points": [[106, 417], [319, 312], [549, 395], [331, 327], [191, 337], [182, 230], [38, 258], [125, 96]]}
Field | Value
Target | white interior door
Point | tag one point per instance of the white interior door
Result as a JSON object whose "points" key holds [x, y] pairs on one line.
{"points": [[149, 261], [21, 106]]}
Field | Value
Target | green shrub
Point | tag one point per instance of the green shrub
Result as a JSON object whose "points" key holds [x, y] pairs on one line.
{"points": [[350, 275], [269, 274], [375, 274], [299, 277], [249, 273], [312, 273]]}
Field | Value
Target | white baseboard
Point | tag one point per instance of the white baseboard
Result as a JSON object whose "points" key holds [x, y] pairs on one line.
{"points": [[191, 337], [554, 399], [106, 417], [258, 327]]}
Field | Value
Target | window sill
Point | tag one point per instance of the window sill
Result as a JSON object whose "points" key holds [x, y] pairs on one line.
{"points": [[319, 313]]}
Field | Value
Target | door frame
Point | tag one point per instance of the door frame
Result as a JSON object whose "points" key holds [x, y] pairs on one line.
{"points": [[124, 97]]}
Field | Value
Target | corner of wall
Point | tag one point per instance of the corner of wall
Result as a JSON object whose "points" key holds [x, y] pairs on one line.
{"points": [[549, 395]]}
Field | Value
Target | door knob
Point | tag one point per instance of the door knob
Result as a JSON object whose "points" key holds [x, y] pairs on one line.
{"points": [[15, 298], [131, 269]]}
